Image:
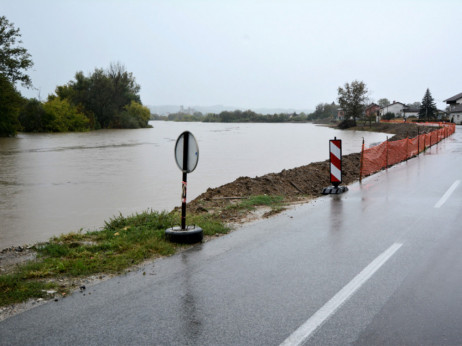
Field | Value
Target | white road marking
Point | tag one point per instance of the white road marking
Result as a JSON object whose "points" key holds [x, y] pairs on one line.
{"points": [[314, 322], [447, 194]]}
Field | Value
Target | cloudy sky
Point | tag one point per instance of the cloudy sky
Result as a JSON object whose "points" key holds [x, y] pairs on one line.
{"points": [[247, 53]]}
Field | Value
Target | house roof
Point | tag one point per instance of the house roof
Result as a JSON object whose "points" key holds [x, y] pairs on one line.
{"points": [[394, 103], [372, 107], [411, 110], [454, 98], [416, 110]]}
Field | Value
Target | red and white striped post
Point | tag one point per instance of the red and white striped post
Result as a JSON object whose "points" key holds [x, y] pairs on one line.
{"points": [[335, 149], [335, 155]]}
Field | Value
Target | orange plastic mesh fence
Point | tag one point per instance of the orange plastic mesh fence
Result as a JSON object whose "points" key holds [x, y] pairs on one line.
{"points": [[390, 153]]}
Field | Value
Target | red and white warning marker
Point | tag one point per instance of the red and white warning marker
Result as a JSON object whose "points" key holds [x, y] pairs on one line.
{"points": [[335, 150]]}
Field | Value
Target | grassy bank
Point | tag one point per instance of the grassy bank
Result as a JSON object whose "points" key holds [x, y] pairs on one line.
{"points": [[123, 243]]}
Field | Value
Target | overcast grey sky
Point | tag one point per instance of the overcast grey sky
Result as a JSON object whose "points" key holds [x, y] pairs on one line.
{"points": [[281, 53]]}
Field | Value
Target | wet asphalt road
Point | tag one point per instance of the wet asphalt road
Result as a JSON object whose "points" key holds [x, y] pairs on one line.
{"points": [[260, 284]]}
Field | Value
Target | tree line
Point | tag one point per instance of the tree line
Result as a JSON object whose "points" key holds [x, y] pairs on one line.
{"points": [[353, 100], [323, 111], [236, 116], [106, 98]]}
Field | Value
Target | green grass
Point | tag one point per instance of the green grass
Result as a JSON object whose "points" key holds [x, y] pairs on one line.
{"points": [[275, 202], [14, 288], [123, 242]]}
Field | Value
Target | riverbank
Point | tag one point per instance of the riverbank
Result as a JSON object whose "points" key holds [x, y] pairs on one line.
{"points": [[61, 265]]}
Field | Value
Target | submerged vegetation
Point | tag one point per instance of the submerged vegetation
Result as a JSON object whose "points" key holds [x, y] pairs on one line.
{"points": [[105, 99]]}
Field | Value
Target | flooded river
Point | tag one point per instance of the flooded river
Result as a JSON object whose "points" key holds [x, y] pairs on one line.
{"points": [[58, 183]]}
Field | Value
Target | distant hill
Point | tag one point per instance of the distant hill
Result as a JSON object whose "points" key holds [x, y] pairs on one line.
{"points": [[168, 109]]}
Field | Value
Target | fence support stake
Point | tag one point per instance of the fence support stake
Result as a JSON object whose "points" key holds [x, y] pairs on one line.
{"points": [[407, 147], [387, 155], [361, 163], [418, 141]]}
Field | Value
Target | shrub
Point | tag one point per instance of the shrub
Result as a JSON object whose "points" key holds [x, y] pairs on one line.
{"points": [[347, 123], [388, 116], [135, 115], [61, 116]]}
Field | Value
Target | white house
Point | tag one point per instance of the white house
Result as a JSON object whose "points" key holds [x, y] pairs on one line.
{"points": [[396, 108], [455, 108]]}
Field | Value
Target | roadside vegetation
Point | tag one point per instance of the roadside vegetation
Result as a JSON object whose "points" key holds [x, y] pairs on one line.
{"points": [[250, 204], [124, 242]]}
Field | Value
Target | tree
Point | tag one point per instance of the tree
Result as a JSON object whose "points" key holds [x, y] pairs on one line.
{"points": [[125, 87], [352, 98], [383, 102], [10, 105], [102, 95], [31, 116], [324, 111], [428, 108], [14, 59]]}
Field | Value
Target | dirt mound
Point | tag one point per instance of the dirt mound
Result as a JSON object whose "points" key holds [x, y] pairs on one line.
{"points": [[306, 180], [297, 184], [400, 131]]}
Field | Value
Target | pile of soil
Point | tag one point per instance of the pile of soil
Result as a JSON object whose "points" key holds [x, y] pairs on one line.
{"points": [[295, 185], [400, 131]]}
